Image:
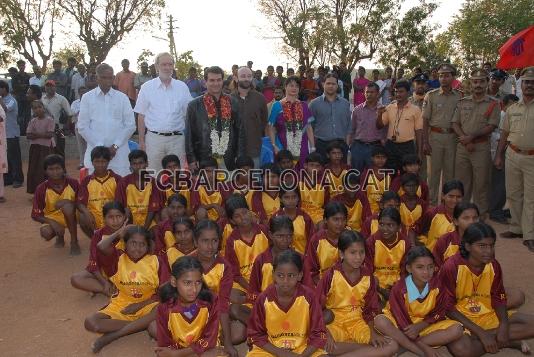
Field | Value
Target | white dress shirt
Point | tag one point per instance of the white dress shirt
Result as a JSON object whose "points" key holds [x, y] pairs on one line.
{"points": [[38, 81], [77, 81], [54, 105], [164, 107], [106, 120]]}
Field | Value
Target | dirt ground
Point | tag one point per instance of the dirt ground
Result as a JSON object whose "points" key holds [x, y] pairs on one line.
{"points": [[42, 315]]}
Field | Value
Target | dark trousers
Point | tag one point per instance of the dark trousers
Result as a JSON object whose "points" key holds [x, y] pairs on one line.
{"points": [[360, 154], [14, 162], [497, 194], [322, 145], [60, 141], [396, 151]]}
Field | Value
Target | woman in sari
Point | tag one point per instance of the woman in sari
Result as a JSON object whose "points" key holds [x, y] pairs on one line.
{"points": [[289, 123]]}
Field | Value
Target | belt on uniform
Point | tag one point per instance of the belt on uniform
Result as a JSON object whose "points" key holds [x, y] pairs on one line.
{"points": [[377, 142], [437, 129], [481, 139], [520, 151], [167, 134]]}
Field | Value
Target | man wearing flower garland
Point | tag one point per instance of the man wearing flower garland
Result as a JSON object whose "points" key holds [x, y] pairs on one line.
{"points": [[213, 126], [161, 106]]}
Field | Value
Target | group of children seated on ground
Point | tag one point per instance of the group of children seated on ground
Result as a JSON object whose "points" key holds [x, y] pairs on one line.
{"points": [[312, 270]]}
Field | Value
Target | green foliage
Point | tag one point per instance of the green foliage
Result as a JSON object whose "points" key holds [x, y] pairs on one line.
{"points": [[184, 62], [72, 50], [408, 41], [145, 56], [483, 26]]}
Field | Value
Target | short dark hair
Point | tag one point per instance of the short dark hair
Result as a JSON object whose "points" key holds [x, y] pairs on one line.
{"points": [[137, 154], [56, 61], [36, 90], [331, 75], [283, 154], [101, 152], [208, 162], [167, 159], [21, 61], [293, 79], [373, 85], [336, 144], [403, 84], [378, 150], [510, 98], [243, 161], [214, 70], [233, 203], [315, 157], [410, 159], [4, 85], [54, 159]]}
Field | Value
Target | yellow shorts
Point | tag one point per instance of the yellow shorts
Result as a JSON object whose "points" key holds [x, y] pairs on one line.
{"points": [[99, 219], [488, 321], [115, 307], [259, 352], [353, 330], [58, 217], [437, 326]]}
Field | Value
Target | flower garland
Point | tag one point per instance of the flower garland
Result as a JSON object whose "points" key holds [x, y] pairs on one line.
{"points": [[219, 136], [293, 118]]}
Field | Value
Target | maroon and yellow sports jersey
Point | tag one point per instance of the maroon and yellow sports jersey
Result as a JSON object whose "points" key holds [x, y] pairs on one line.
{"points": [[357, 210], [373, 188], [353, 303], [475, 294], [97, 260], [195, 326], [336, 181], [386, 259], [45, 199], [226, 229], [446, 246], [412, 219], [370, 226], [264, 205], [303, 229], [173, 253], [313, 199], [136, 281], [95, 192], [322, 254], [139, 201], [422, 189], [241, 254], [219, 278], [437, 222], [293, 327], [163, 236], [203, 197]]}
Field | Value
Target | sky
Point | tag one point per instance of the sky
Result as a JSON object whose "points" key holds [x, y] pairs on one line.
{"points": [[222, 35]]}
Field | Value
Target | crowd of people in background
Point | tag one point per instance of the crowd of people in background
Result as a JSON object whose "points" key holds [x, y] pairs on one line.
{"points": [[369, 230]]}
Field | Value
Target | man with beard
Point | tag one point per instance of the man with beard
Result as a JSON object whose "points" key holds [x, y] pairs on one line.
{"points": [[213, 126], [278, 95], [252, 112], [517, 133], [475, 117]]}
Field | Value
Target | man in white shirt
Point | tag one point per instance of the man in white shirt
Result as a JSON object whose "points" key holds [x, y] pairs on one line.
{"points": [[80, 141], [106, 119], [38, 78], [56, 105], [162, 106], [380, 83], [78, 81]]}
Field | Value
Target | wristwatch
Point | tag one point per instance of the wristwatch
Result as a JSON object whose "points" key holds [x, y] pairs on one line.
{"points": [[115, 147]]}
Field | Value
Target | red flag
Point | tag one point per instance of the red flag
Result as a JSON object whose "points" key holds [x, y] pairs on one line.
{"points": [[518, 51]]}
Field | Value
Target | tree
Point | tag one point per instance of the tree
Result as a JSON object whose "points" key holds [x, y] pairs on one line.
{"points": [[408, 40], [72, 50], [103, 23], [320, 31], [483, 26], [145, 56], [28, 28], [184, 62]]}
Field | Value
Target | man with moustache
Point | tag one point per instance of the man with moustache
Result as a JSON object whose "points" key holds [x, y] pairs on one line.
{"points": [[213, 126], [517, 133], [475, 117], [252, 112]]}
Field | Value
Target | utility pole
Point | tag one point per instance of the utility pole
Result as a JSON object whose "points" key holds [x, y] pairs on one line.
{"points": [[172, 44]]}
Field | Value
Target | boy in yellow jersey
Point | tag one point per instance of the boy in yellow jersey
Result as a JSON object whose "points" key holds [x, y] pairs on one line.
{"points": [[96, 190], [335, 169], [266, 202], [171, 163], [286, 318], [163, 237], [357, 207], [412, 208], [411, 164], [313, 195], [206, 199], [375, 180], [138, 192], [370, 222], [247, 241], [54, 204], [474, 286]]}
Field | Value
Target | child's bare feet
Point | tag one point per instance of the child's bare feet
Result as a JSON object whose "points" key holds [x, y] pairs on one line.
{"points": [[101, 342], [525, 348], [60, 242], [75, 249]]}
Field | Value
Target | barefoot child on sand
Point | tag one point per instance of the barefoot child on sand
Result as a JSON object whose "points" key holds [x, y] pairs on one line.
{"points": [[54, 204]]}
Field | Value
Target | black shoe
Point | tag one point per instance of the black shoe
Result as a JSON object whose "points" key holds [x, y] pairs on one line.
{"points": [[17, 184], [507, 213], [499, 219]]}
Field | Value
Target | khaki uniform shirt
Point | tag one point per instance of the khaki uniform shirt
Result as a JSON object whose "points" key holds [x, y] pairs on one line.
{"points": [[438, 107], [474, 115], [519, 123]]}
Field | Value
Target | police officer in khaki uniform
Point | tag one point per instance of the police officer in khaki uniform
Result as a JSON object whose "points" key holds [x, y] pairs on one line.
{"points": [[439, 138], [475, 117], [518, 134]]}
